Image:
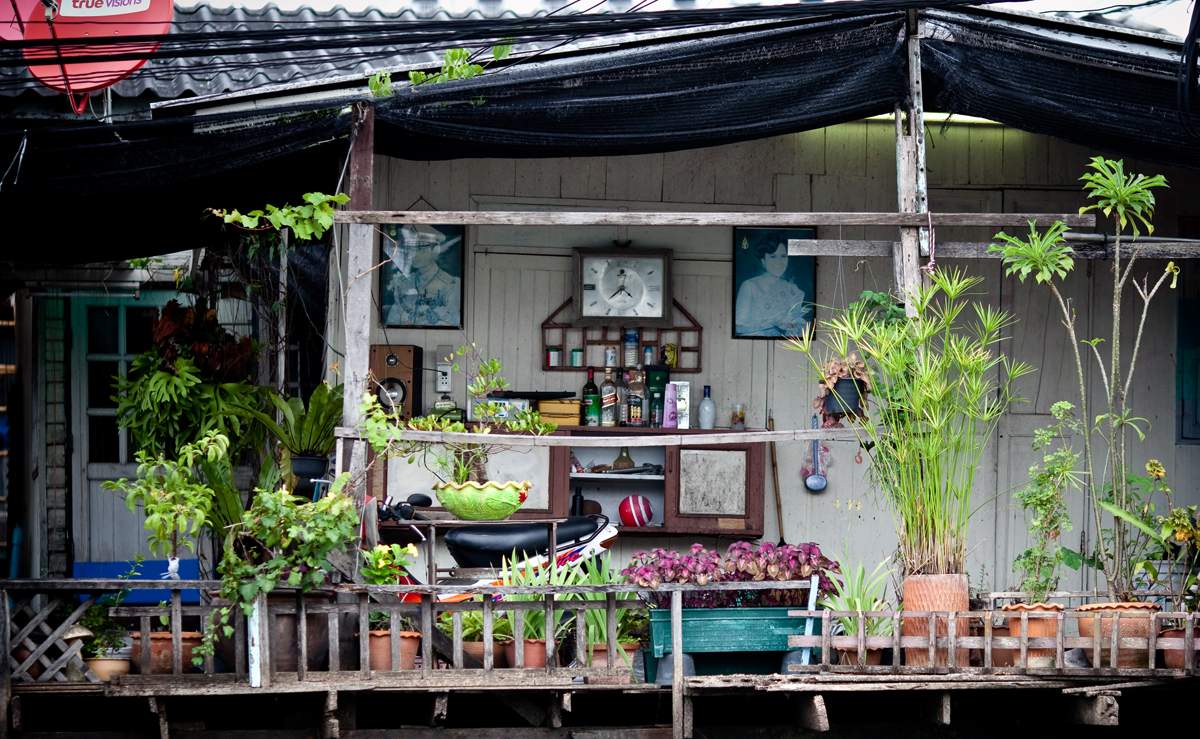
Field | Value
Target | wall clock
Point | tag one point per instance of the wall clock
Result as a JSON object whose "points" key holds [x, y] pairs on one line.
{"points": [[623, 285]]}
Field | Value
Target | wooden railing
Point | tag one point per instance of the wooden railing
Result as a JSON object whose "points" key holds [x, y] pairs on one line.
{"points": [[40, 613]]}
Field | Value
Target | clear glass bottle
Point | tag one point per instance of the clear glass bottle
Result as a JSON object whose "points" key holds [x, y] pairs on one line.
{"points": [[708, 409], [609, 414]]}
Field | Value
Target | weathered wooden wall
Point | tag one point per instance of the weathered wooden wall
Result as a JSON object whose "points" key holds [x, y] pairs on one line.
{"points": [[516, 276]]}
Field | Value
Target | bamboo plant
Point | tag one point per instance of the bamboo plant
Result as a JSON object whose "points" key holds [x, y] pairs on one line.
{"points": [[1128, 201], [941, 386]]}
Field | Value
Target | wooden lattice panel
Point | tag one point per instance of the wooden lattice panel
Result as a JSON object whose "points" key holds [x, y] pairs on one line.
{"points": [[37, 651], [558, 333]]}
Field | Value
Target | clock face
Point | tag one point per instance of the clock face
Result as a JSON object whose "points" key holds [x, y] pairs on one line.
{"points": [[626, 287]]}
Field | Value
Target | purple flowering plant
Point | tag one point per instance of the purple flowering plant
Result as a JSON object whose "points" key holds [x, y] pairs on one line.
{"points": [[743, 562]]}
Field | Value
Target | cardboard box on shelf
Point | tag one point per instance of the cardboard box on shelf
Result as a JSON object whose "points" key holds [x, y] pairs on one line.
{"points": [[683, 403]]}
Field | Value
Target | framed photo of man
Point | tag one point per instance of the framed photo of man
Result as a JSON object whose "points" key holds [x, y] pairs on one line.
{"points": [[772, 292], [421, 280]]}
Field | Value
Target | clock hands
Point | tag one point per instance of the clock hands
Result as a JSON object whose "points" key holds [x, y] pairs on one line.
{"points": [[620, 290]]}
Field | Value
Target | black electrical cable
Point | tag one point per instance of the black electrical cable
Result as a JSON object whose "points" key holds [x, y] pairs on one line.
{"points": [[1186, 83]]}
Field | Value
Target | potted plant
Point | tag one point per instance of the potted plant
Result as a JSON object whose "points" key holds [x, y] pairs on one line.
{"points": [[941, 386], [1170, 561], [194, 380], [107, 650], [1128, 201], [856, 591], [534, 626], [1044, 503], [282, 542], [385, 565], [1179, 534], [304, 433], [737, 624], [472, 634], [843, 387], [176, 504], [465, 489], [599, 571]]}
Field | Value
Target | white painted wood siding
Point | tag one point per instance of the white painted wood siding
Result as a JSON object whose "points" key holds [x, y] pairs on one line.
{"points": [[517, 276]]}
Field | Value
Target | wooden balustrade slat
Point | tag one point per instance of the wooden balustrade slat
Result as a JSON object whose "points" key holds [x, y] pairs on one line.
{"points": [[333, 624], [1096, 641], [610, 617], [862, 640], [239, 641], [364, 644], [1114, 648], [826, 634], [987, 641], [301, 639], [1150, 639], [1189, 644], [394, 639], [582, 655], [551, 652], [932, 645], [1024, 663], [456, 655], [489, 631], [176, 633], [518, 619], [1059, 654], [896, 637], [144, 638], [427, 634]]}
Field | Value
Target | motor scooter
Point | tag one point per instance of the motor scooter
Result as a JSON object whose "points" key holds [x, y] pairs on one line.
{"points": [[489, 547]]}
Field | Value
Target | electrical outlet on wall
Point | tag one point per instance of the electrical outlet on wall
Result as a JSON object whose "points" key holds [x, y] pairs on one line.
{"points": [[444, 367]]}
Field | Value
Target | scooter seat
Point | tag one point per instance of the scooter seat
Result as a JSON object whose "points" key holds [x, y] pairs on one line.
{"points": [[487, 546]]}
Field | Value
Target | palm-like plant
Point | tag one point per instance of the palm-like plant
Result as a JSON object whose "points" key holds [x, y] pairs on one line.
{"points": [[1128, 200], [304, 432], [856, 591], [942, 386]]}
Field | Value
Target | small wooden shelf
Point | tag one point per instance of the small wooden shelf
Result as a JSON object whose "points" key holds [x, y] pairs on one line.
{"points": [[613, 476], [560, 334]]}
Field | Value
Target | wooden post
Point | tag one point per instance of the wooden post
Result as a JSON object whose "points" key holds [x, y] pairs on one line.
{"points": [[357, 305], [5, 666], [811, 713], [258, 647], [911, 192], [678, 722]]}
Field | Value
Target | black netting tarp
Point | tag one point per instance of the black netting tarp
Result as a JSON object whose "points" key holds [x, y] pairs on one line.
{"points": [[674, 95], [1102, 94]]}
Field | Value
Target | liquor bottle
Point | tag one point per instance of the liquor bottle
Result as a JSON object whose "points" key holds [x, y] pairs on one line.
{"points": [[609, 414], [591, 400], [708, 409], [622, 396], [635, 400]]}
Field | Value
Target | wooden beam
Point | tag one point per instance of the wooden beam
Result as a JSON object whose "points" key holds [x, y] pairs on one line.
{"points": [[1089, 249], [811, 713], [759, 218], [1095, 710], [641, 440], [911, 193]]}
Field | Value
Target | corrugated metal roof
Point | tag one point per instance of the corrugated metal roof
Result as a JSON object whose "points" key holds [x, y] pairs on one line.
{"points": [[168, 79], [180, 78]]}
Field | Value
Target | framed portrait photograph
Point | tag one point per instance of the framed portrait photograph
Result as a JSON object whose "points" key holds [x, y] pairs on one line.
{"points": [[773, 293], [421, 280]]}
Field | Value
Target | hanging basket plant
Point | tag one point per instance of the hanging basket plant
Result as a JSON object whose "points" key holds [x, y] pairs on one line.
{"points": [[844, 387]]}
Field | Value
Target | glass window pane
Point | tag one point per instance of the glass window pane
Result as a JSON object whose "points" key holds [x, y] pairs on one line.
{"points": [[104, 441], [102, 329], [139, 329], [100, 384]]}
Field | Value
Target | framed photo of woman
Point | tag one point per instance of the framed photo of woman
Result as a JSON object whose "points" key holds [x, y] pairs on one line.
{"points": [[421, 280], [772, 292]]}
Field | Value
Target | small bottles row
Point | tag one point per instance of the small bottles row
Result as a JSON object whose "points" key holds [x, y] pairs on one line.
{"points": [[637, 398]]}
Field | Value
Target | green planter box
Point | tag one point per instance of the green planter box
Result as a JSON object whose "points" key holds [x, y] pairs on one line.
{"points": [[750, 640]]}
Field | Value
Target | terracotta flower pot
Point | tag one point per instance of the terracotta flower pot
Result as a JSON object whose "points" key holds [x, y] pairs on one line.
{"points": [[535, 653], [380, 649], [850, 657], [105, 667], [161, 650], [935, 593], [1036, 628], [1135, 623], [1173, 658], [475, 649], [600, 654]]}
